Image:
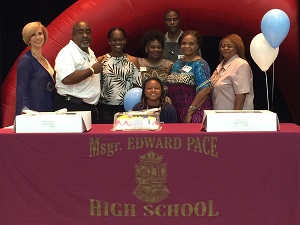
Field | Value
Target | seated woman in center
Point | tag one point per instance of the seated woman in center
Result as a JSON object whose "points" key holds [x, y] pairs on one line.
{"points": [[153, 96]]}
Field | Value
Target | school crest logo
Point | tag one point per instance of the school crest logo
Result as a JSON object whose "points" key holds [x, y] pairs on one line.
{"points": [[151, 178]]}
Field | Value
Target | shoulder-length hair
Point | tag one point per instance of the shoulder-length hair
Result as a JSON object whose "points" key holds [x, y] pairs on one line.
{"points": [[30, 28], [162, 97]]}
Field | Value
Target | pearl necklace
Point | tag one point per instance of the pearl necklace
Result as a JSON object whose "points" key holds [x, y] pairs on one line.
{"points": [[40, 59]]}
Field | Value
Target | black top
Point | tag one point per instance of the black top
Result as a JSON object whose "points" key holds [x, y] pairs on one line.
{"points": [[167, 114]]}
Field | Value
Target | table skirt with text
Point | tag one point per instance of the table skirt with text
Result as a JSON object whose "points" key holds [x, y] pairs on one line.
{"points": [[178, 175]]}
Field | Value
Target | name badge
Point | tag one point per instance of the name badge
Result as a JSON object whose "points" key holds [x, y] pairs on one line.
{"points": [[186, 68], [143, 68], [180, 56]]}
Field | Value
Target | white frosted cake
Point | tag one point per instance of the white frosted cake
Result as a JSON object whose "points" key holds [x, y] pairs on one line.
{"points": [[137, 120]]}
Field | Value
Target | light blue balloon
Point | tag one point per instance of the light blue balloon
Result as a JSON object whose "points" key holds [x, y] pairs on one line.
{"points": [[275, 26], [132, 97]]}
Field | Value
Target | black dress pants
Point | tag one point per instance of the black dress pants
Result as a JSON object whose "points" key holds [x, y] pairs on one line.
{"points": [[107, 112], [75, 104]]}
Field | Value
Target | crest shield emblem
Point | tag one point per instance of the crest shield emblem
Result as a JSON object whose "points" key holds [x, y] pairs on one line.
{"points": [[151, 178]]}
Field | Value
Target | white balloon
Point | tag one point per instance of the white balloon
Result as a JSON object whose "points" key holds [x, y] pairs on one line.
{"points": [[262, 52]]}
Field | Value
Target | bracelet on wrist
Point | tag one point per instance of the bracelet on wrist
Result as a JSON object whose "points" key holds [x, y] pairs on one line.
{"points": [[93, 71]]}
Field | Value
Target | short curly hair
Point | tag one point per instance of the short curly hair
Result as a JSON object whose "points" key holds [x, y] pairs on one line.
{"points": [[238, 44], [30, 28], [152, 35], [171, 10]]}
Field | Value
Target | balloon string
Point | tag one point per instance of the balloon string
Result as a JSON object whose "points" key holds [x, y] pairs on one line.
{"points": [[273, 85], [267, 89]]}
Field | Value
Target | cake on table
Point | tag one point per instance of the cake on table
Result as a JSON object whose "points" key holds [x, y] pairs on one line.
{"points": [[137, 120]]}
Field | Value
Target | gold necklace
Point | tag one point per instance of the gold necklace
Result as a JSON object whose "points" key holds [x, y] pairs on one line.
{"points": [[40, 59]]}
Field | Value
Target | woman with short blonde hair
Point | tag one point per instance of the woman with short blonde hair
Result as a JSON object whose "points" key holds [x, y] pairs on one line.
{"points": [[35, 82], [30, 28]]}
